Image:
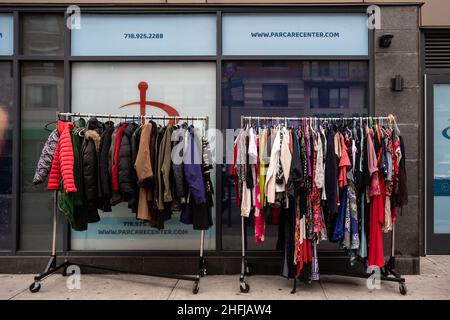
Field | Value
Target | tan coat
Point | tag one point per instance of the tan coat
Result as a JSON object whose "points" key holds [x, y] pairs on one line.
{"points": [[144, 172]]}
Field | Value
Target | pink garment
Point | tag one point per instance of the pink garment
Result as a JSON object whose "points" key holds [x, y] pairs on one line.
{"points": [[315, 200], [371, 155], [344, 163], [260, 218]]}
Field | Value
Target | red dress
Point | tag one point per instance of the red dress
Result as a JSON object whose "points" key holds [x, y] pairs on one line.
{"points": [[376, 254]]}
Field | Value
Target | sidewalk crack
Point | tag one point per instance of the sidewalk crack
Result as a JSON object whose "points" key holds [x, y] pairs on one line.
{"points": [[323, 290], [171, 291]]}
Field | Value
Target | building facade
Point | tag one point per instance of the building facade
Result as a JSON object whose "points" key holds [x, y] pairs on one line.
{"points": [[194, 56]]}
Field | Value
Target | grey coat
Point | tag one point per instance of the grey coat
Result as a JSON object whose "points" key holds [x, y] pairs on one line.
{"points": [[45, 161]]}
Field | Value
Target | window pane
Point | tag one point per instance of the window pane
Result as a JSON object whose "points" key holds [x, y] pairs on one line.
{"points": [[6, 34], [42, 96], [6, 96], [42, 34], [302, 88], [189, 87], [275, 95], [314, 98], [294, 34], [343, 98], [145, 35], [334, 98], [324, 98], [343, 69]]}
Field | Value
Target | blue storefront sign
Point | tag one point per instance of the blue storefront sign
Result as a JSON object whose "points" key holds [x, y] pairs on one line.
{"points": [[145, 35], [6, 34], [295, 34]]}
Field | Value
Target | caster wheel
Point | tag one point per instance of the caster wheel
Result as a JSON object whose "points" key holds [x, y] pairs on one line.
{"points": [[35, 287], [203, 273], [244, 287], [195, 288], [402, 289]]}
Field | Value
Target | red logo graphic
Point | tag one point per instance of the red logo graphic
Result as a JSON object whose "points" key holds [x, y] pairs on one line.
{"points": [[143, 103]]}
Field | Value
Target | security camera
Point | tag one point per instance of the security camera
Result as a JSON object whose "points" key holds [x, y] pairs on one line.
{"points": [[385, 40]]}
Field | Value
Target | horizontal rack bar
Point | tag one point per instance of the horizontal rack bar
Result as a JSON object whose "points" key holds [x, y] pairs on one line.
{"points": [[311, 118], [123, 116]]}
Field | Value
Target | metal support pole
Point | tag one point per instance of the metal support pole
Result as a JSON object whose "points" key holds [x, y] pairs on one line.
{"points": [[55, 221], [202, 264], [243, 286]]}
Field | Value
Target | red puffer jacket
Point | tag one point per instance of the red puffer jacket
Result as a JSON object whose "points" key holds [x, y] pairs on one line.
{"points": [[63, 160]]}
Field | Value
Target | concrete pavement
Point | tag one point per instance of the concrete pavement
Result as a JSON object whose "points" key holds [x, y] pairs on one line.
{"points": [[433, 283]]}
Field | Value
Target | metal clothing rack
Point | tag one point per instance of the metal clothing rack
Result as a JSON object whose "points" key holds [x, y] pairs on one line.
{"points": [[387, 270], [52, 266]]}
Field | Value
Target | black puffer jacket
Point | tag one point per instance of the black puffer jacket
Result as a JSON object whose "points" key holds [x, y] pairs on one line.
{"points": [[126, 185], [134, 202], [89, 158], [104, 178]]}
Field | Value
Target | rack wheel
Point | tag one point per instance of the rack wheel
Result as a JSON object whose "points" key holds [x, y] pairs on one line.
{"points": [[402, 289], [203, 272], [244, 287], [35, 287], [195, 287]]}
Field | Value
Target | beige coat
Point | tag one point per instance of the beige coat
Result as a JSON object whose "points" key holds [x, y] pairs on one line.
{"points": [[280, 154], [144, 172]]}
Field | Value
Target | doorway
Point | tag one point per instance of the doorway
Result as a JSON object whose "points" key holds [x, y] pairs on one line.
{"points": [[438, 164]]}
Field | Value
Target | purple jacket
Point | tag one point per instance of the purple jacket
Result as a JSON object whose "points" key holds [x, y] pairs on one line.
{"points": [[192, 166]]}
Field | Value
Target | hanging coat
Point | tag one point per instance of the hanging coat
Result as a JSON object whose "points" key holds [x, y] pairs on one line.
{"points": [[104, 186], [45, 161], [144, 172], [125, 167], [201, 213], [62, 165], [89, 157], [73, 205]]}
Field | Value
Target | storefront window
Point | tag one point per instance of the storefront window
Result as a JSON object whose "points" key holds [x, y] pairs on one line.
{"points": [[103, 88], [145, 35], [42, 34], [6, 34], [308, 34], [302, 88], [41, 97], [6, 137]]}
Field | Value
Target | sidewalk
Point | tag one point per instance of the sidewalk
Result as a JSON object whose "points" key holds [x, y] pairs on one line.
{"points": [[433, 283]]}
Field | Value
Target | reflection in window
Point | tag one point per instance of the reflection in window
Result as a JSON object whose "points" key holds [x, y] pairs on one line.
{"points": [[42, 34], [300, 88], [275, 95], [6, 96], [324, 97], [343, 69], [42, 96], [275, 64]]}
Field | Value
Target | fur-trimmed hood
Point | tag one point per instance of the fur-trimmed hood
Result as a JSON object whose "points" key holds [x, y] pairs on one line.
{"points": [[92, 134]]}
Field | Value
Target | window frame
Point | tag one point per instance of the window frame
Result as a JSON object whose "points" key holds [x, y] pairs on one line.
{"points": [[17, 58]]}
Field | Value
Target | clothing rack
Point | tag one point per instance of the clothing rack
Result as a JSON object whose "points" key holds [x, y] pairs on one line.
{"points": [[387, 270], [52, 266]]}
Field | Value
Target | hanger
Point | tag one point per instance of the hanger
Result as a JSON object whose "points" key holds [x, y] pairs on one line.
{"points": [[47, 124]]}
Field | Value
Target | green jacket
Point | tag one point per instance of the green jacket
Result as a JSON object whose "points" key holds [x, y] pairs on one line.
{"points": [[72, 205]]}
